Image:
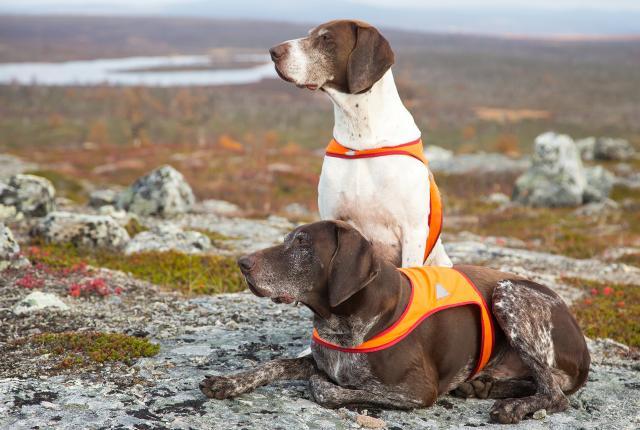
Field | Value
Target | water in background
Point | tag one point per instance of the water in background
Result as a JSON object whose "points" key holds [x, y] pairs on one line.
{"points": [[120, 71]]}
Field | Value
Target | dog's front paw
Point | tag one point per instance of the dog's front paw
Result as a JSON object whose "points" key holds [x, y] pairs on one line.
{"points": [[508, 411], [324, 393], [478, 388], [219, 387]]}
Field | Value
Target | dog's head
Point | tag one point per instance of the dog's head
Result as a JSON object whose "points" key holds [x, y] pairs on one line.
{"points": [[347, 55], [321, 265]]}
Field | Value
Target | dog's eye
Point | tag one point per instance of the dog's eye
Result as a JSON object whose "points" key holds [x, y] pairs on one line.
{"points": [[325, 37], [301, 239]]}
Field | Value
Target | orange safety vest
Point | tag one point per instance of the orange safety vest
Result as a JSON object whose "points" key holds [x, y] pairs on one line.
{"points": [[433, 289], [413, 149]]}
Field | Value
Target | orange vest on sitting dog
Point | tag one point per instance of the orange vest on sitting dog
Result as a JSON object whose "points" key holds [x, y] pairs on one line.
{"points": [[413, 149], [433, 289]]}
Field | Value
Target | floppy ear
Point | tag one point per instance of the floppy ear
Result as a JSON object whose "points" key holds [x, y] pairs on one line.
{"points": [[370, 59], [352, 267]]}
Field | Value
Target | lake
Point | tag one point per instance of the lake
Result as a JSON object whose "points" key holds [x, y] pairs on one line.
{"points": [[127, 72]]}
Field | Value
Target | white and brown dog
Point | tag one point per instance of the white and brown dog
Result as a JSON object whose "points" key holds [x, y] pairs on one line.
{"points": [[387, 198]]}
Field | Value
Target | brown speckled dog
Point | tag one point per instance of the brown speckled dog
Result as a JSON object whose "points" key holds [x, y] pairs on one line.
{"points": [[539, 354]]}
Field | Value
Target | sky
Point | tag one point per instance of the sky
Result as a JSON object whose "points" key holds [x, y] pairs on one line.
{"points": [[418, 4], [512, 17], [512, 4]]}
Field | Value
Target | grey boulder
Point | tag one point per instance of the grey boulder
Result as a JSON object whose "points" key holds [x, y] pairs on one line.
{"points": [[599, 184], [605, 148], [93, 231], [162, 192], [10, 256], [168, 238], [556, 176], [34, 196]]}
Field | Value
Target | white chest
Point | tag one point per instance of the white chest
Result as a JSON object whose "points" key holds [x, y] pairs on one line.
{"points": [[345, 369], [377, 195]]}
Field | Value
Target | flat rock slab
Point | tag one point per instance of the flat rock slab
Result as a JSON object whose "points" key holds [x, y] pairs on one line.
{"points": [[211, 335]]}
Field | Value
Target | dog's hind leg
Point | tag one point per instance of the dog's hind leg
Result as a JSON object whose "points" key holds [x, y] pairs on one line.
{"points": [[333, 396], [523, 309], [226, 386]]}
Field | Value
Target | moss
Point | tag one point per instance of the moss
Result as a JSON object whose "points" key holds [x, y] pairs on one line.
{"points": [[191, 274], [620, 193], [134, 227], [631, 259], [608, 310], [79, 348], [555, 230], [65, 185]]}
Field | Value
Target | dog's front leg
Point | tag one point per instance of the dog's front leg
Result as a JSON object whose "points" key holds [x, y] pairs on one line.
{"points": [[226, 386], [414, 241], [333, 396]]}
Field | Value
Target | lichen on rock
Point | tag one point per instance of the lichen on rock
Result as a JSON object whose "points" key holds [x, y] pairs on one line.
{"points": [[92, 231], [168, 237], [10, 256], [557, 177], [162, 192], [34, 196]]}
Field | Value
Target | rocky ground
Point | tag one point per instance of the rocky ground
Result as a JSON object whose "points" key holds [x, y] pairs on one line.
{"points": [[201, 335], [219, 334], [210, 335]]}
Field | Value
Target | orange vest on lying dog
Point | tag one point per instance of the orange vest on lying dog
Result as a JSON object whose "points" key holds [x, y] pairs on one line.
{"points": [[433, 289], [413, 149]]}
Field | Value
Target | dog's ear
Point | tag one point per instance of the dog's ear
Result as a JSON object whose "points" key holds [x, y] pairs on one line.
{"points": [[370, 59], [353, 265]]}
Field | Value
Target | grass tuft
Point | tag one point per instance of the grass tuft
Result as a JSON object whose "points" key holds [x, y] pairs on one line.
{"points": [[609, 310], [77, 349], [134, 227], [191, 274]]}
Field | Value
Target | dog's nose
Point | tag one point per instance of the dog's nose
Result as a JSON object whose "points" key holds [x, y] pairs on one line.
{"points": [[278, 51], [246, 263]]}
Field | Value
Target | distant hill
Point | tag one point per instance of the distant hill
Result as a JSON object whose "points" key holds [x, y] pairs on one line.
{"points": [[66, 37], [529, 20]]}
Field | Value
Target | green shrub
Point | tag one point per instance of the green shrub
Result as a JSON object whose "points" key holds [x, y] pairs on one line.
{"points": [[82, 348]]}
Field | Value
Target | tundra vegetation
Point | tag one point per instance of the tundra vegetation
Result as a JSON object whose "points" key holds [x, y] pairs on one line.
{"points": [[259, 146]]}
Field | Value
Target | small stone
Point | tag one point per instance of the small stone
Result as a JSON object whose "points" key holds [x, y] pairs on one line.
{"points": [[7, 212], [297, 211], [37, 301], [111, 211], [99, 198], [437, 153], [540, 414], [370, 422], [499, 198]]}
